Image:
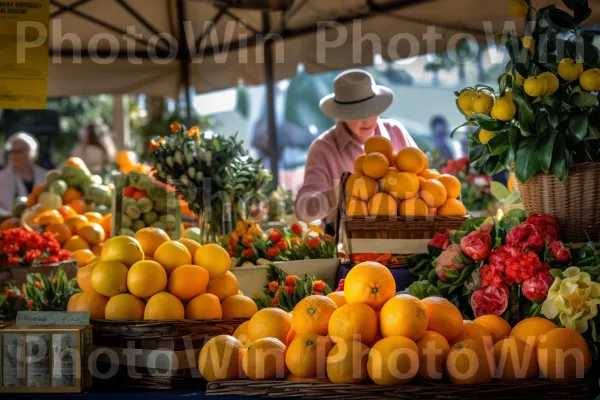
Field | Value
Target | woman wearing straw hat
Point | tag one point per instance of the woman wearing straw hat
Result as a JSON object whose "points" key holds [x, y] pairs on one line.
{"points": [[356, 105]]}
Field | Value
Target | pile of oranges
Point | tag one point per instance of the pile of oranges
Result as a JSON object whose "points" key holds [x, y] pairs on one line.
{"points": [[385, 183], [368, 333], [151, 277]]}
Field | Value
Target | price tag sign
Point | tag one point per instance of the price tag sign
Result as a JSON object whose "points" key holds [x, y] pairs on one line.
{"points": [[52, 318], [24, 53]]}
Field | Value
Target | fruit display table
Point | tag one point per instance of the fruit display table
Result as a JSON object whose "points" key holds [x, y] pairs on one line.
{"points": [[191, 393]]}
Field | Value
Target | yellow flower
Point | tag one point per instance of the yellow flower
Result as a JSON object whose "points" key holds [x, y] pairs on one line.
{"points": [[194, 132], [156, 144], [175, 127], [573, 299], [316, 229]]}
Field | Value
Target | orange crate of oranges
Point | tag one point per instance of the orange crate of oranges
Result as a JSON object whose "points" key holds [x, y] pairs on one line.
{"points": [[398, 200]]}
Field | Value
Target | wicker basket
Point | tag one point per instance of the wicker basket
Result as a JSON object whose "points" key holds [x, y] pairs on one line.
{"points": [[409, 234], [531, 389], [166, 352], [575, 204]]}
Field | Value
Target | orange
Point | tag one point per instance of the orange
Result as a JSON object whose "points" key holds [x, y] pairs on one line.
{"points": [[66, 211], [388, 179], [358, 162], [61, 232], [109, 278], [76, 222], [125, 307], [443, 317], [78, 205], [306, 357], [187, 282], [404, 187], [414, 207], [452, 208], [93, 216], [238, 306], [92, 233], [375, 165], [163, 306], [84, 276], [241, 333], [12, 222], [369, 282], [354, 321], [356, 208], [403, 315], [75, 243], [452, 185], [347, 362], [430, 174], [497, 326], [529, 330], [31, 201], [83, 257], [107, 224], [433, 193], [422, 180], [213, 258], [223, 286], [412, 160], [126, 158], [311, 315], [146, 278], [73, 301], [515, 359], [204, 306], [270, 322], [474, 331], [380, 144], [75, 162], [97, 249], [39, 189], [220, 359], [433, 349], [563, 355], [264, 359], [382, 204], [290, 337], [393, 360], [49, 217], [123, 248], [363, 188], [469, 362], [92, 302], [350, 182], [71, 195], [338, 298], [191, 244], [150, 239]]}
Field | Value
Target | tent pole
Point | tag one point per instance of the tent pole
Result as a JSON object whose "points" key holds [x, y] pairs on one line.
{"points": [[184, 59], [270, 87]]}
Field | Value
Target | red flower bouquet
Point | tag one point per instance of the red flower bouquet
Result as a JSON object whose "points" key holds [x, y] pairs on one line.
{"points": [[18, 246], [477, 245], [489, 300], [536, 288]]}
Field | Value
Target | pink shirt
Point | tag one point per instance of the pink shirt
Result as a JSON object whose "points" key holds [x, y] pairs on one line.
{"points": [[329, 156]]}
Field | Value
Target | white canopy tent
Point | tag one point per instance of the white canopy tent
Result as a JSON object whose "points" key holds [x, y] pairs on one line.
{"points": [[160, 47]]}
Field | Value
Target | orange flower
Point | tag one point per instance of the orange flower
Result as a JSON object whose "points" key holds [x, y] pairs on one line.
{"points": [[175, 127], [156, 144], [194, 132], [273, 286]]}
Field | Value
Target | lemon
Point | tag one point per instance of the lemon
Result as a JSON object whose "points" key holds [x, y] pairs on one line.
{"points": [[109, 278], [483, 103], [486, 136], [504, 109], [551, 83], [518, 8], [590, 80], [124, 249], [171, 255], [146, 278], [213, 258], [124, 307], [535, 86], [528, 43], [150, 239], [519, 80], [569, 70], [465, 101]]}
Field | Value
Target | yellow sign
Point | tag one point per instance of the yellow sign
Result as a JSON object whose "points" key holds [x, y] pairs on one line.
{"points": [[24, 53]]}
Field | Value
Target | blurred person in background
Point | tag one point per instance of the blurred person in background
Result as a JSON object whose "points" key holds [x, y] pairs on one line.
{"points": [[448, 148], [356, 104], [20, 175], [96, 149]]}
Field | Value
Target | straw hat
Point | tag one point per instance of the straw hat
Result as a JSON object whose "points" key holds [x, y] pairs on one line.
{"points": [[356, 96]]}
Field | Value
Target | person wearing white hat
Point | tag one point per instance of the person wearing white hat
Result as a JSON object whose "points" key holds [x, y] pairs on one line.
{"points": [[356, 104]]}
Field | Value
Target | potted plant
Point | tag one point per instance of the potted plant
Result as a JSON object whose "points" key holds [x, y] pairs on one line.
{"points": [[544, 121]]}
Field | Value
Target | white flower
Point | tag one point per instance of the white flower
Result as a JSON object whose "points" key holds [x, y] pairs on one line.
{"points": [[573, 299]]}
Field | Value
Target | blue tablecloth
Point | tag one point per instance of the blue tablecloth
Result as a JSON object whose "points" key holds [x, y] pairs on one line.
{"points": [[401, 275]]}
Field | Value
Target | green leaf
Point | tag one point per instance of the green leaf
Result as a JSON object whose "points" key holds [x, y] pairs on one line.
{"points": [[456, 236], [513, 138], [472, 224], [499, 191], [418, 289], [578, 125], [493, 166], [433, 291], [556, 273], [542, 124], [527, 121], [560, 166], [477, 153], [499, 144], [504, 81], [546, 150], [460, 126], [488, 123], [581, 14], [583, 99], [513, 198], [560, 19], [527, 163]]}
